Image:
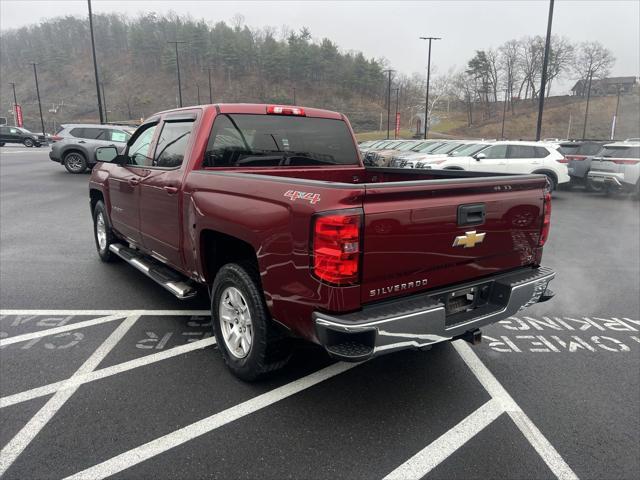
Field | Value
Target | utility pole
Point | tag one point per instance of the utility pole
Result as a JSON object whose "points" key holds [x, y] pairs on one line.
{"points": [[15, 105], [395, 135], [504, 112], [198, 92], [175, 43], [95, 63], [388, 71], [586, 110], [104, 104], [543, 79], [294, 95], [615, 116], [35, 74], [426, 102], [210, 90]]}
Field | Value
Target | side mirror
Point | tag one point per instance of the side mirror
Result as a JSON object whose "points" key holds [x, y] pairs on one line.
{"points": [[479, 156], [109, 154]]}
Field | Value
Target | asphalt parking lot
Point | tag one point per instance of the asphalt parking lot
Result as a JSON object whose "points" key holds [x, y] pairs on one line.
{"points": [[103, 373]]}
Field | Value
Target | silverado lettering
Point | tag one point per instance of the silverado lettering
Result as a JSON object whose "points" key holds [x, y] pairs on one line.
{"points": [[225, 201]]}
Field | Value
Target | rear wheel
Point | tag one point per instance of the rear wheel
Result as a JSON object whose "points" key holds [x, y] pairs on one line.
{"points": [[592, 186], [102, 232], [75, 162], [27, 142], [250, 343]]}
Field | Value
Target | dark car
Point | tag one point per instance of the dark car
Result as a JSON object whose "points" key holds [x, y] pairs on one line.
{"points": [[20, 135], [75, 148], [578, 156]]}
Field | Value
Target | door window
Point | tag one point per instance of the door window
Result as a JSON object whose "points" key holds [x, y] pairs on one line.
{"points": [[521, 151], [497, 151], [541, 152], [140, 150], [172, 144], [119, 136]]}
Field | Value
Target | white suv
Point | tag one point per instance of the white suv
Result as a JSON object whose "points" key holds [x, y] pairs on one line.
{"points": [[617, 166], [509, 157]]}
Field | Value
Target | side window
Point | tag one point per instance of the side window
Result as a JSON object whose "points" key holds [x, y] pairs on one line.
{"points": [[77, 132], [93, 133], [172, 144], [224, 144], [140, 150], [541, 152], [521, 151], [118, 136], [103, 135], [14, 130], [497, 151]]}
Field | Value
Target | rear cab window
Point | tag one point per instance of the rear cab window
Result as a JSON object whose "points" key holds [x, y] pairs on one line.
{"points": [[248, 140]]}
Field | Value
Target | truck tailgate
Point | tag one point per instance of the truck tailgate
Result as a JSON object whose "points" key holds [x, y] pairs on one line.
{"points": [[419, 235]]}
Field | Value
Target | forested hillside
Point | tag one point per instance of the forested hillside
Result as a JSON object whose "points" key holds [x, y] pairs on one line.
{"points": [[138, 68]]}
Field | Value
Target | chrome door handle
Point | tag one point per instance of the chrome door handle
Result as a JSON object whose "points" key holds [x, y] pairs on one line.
{"points": [[170, 190]]}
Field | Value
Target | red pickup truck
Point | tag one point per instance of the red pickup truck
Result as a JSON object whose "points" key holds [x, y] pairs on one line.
{"points": [[271, 208]]}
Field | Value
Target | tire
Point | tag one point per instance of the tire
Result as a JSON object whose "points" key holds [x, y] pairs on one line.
{"points": [[38, 145], [27, 142], [1, 144], [591, 186], [75, 162], [238, 307], [102, 233], [553, 185]]}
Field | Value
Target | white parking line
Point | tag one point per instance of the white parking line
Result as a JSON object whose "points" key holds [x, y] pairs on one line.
{"points": [[178, 437], [23, 438], [535, 437], [438, 451], [124, 313], [55, 330], [103, 373]]}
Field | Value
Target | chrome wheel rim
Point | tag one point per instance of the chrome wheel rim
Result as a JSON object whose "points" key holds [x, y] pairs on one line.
{"points": [[74, 162], [235, 322], [101, 232]]}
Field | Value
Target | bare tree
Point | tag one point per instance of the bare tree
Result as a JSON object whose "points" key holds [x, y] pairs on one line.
{"points": [[493, 71], [561, 57], [508, 64], [462, 87], [530, 63], [592, 60]]}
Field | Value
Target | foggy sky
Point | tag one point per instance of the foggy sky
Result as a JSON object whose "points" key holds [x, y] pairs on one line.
{"points": [[391, 29]]}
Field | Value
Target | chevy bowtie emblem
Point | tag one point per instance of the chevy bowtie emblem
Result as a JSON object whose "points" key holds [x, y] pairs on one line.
{"points": [[469, 239]]}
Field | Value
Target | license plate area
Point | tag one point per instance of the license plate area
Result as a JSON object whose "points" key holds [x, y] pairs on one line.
{"points": [[461, 301]]}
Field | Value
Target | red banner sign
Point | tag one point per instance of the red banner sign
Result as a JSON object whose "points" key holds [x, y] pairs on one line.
{"points": [[397, 124], [19, 116]]}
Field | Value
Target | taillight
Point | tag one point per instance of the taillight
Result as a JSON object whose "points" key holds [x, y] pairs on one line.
{"points": [[562, 160], [546, 221], [56, 138], [578, 158], [625, 162], [336, 248], [282, 110]]}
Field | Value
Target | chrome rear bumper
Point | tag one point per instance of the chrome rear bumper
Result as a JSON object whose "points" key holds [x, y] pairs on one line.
{"points": [[422, 320]]}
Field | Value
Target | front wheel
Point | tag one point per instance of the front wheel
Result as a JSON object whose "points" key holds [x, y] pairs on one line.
{"points": [[75, 162], [102, 232], [250, 343], [552, 182], [27, 142]]}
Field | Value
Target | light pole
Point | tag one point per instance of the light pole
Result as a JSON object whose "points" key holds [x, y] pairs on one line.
{"points": [[175, 43], [210, 90], [615, 116], [104, 104], [395, 128], [15, 104], [504, 112], [35, 74], [294, 95], [198, 92], [586, 110], [426, 102], [543, 79], [95, 63], [388, 71]]}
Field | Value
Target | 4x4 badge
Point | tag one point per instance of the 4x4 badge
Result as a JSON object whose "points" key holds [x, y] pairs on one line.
{"points": [[469, 239]]}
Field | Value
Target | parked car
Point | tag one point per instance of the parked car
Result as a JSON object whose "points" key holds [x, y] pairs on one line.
{"points": [[271, 209], [76, 147], [617, 167], [400, 159], [464, 150], [441, 151], [20, 135], [514, 157], [578, 158], [381, 158]]}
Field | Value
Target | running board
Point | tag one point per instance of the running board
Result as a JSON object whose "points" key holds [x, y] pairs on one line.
{"points": [[171, 280]]}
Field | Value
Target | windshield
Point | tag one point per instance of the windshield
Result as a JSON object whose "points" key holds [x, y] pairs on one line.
{"points": [[620, 152], [569, 149], [446, 148], [406, 146], [468, 150], [243, 140], [430, 147]]}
